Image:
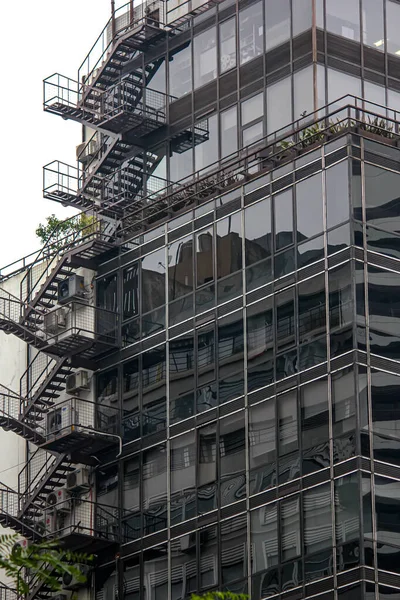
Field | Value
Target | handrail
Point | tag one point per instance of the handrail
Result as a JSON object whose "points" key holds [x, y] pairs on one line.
{"points": [[291, 132], [104, 41], [29, 380]]}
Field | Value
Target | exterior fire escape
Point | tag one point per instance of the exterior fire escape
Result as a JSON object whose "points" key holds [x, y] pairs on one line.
{"points": [[115, 170]]}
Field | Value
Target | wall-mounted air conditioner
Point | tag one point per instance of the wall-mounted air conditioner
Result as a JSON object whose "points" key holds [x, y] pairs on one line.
{"points": [[59, 501], [70, 582], [77, 381], [51, 522], [78, 480], [60, 418], [72, 288], [55, 321]]}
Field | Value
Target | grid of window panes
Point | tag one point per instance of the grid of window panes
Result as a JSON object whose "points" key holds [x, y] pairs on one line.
{"points": [[252, 417], [235, 68]]}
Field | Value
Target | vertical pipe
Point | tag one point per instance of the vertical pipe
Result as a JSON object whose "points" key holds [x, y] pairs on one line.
{"points": [[131, 11], [113, 19], [314, 54]]}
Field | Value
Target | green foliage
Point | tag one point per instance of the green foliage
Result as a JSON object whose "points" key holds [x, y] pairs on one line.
{"points": [[59, 233], [45, 561], [220, 596]]}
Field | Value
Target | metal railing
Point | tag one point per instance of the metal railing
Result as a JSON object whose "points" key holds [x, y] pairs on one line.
{"points": [[9, 403], [342, 115], [35, 469], [134, 17], [56, 246], [37, 371], [76, 415]]}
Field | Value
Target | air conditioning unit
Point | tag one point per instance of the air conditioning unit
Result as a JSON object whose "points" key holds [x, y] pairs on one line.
{"points": [[59, 501], [70, 582], [51, 522], [78, 480], [77, 381], [60, 418], [60, 597], [55, 320], [71, 289]]}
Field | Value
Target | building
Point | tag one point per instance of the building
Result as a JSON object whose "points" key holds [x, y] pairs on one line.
{"points": [[212, 362]]}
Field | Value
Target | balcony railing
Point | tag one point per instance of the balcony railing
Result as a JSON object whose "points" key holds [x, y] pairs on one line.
{"points": [[124, 106], [81, 427], [346, 114], [127, 17]]}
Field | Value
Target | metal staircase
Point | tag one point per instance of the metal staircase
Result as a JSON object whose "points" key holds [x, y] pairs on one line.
{"points": [[42, 383], [82, 249], [29, 527], [38, 481], [10, 420]]}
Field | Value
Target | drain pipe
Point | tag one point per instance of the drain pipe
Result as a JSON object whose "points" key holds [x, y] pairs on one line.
{"points": [[113, 28]]}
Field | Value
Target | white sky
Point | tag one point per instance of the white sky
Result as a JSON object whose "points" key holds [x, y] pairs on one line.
{"points": [[39, 38]]}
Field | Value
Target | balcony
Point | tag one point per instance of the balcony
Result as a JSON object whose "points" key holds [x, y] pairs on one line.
{"points": [[81, 429], [125, 106], [78, 524], [78, 328]]}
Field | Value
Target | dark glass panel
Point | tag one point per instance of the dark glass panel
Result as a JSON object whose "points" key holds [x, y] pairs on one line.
{"points": [[285, 321], [107, 293], [262, 445], [315, 426], [183, 477], [131, 332], [180, 310], [387, 506], [233, 549], [347, 508], [382, 198], [229, 245], [153, 322], [208, 557], [284, 263], [130, 398], [385, 393], [388, 558], [384, 312], [183, 579], [348, 556], [154, 489], [290, 528], [204, 256], [317, 505], [181, 377], [383, 242], [337, 194], [310, 252], [318, 565], [180, 268], [131, 485], [130, 291], [230, 357], [340, 296], [291, 575], [339, 238], [232, 442], [264, 537], [260, 343], [312, 308], [344, 414], [205, 299], [153, 390], [153, 280], [259, 274], [157, 562], [309, 207]]}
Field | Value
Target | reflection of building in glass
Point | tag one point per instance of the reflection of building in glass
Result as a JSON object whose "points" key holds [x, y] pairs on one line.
{"points": [[246, 158]]}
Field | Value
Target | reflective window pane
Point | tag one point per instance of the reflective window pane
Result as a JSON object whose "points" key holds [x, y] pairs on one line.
{"points": [[252, 109], [309, 207], [229, 142], [227, 33], [258, 231], [337, 194], [277, 18], [393, 32], [153, 280], [180, 71], [251, 32], [283, 217], [373, 24], [343, 18], [317, 519], [205, 57]]}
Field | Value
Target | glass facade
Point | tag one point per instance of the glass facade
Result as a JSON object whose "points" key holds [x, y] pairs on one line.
{"points": [[258, 325]]}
